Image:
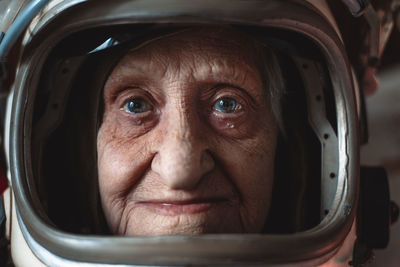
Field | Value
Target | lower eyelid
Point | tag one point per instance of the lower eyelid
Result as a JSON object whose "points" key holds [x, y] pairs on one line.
{"points": [[234, 117], [139, 114], [144, 121], [223, 124]]}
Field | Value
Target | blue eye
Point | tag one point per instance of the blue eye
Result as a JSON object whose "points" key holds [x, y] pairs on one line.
{"points": [[226, 105], [137, 105]]}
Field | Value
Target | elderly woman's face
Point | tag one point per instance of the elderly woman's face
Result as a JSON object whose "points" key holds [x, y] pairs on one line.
{"points": [[187, 141]]}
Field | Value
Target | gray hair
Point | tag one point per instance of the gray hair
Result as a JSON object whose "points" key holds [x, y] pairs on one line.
{"points": [[273, 81]]}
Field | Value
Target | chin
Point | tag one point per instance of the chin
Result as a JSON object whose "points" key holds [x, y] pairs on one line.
{"points": [[193, 224]]}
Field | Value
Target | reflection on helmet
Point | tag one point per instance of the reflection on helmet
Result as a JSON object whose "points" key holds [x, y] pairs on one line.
{"points": [[84, 82]]}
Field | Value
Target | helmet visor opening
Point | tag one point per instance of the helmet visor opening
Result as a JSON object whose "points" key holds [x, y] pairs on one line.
{"points": [[68, 112]]}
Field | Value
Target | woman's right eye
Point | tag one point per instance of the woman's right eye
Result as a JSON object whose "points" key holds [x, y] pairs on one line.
{"points": [[137, 105]]}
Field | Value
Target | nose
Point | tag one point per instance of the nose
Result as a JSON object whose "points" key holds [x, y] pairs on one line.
{"points": [[183, 157]]}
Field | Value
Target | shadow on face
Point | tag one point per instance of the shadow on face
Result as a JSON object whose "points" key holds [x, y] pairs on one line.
{"points": [[187, 141]]}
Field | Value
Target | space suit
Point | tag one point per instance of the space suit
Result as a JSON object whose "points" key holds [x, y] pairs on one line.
{"points": [[52, 54]]}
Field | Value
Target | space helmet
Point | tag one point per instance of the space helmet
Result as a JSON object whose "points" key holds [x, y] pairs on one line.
{"points": [[56, 56]]}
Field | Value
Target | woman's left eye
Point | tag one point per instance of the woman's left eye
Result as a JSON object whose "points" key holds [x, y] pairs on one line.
{"points": [[226, 105], [137, 105]]}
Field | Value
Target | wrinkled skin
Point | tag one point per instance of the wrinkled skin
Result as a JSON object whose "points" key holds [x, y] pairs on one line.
{"points": [[181, 161]]}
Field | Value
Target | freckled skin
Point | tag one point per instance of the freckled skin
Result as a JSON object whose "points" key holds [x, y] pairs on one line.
{"points": [[182, 149]]}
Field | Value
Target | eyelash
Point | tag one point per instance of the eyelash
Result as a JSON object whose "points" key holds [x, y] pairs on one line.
{"points": [[230, 104], [139, 101]]}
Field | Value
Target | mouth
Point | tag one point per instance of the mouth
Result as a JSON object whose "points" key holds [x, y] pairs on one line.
{"points": [[179, 207]]}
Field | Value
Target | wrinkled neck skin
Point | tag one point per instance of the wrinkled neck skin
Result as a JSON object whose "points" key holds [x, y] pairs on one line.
{"points": [[187, 142]]}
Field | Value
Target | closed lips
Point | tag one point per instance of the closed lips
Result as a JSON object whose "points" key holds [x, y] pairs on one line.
{"points": [[177, 207]]}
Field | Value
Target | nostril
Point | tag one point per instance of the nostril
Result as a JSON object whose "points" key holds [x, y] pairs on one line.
{"points": [[155, 163], [207, 162], [180, 168]]}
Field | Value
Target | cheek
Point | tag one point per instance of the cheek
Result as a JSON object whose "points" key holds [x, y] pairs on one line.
{"points": [[253, 168], [250, 164], [252, 157], [122, 160]]}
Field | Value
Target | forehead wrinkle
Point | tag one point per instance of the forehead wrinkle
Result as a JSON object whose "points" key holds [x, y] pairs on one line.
{"points": [[205, 61], [187, 56], [143, 62], [230, 71], [217, 54]]}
